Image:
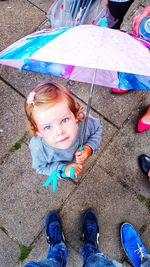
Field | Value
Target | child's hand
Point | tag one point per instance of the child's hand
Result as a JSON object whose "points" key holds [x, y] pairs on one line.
{"points": [[138, 19], [83, 155], [76, 166]]}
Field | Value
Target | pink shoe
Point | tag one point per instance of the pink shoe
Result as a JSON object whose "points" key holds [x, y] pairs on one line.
{"points": [[119, 91], [141, 127]]}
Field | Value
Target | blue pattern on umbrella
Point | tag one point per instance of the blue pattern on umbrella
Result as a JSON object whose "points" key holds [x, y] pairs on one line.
{"points": [[52, 69], [132, 81], [31, 45]]}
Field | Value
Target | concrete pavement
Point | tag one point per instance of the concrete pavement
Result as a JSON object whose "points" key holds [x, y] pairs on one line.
{"points": [[112, 183]]}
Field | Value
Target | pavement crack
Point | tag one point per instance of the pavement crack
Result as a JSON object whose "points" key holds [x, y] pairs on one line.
{"points": [[12, 87], [37, 7], [2, 228]]}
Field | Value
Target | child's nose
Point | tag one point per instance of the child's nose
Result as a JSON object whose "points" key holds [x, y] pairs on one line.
{"points": [[59, 130]]}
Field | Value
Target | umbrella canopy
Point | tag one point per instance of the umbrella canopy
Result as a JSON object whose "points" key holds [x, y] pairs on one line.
{"points": [[74, 53]]}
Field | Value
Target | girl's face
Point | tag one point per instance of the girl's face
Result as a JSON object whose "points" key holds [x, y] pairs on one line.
{"points": [[57, 125]]}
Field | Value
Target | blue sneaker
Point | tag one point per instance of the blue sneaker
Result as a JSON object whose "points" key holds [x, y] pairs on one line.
{"points": [[132, 244], [90, 228], [53, 229]]}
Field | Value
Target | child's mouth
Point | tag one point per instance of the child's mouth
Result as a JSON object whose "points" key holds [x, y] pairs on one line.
{"points": [[63, 140]]}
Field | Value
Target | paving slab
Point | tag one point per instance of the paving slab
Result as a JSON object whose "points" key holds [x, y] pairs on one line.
{"points": [[41, 4], [12, 119], [23, 199], [74, 258], [9, 251], [41, 248], [25, 81], [18, 18], [115, 108], [120, 157], [113, 204]]}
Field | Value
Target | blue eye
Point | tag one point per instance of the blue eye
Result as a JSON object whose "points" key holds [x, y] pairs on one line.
{"points": [[65, 120], [48, 127]]}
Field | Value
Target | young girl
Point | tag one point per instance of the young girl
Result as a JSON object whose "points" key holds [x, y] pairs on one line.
{"points": [[55, 121]]}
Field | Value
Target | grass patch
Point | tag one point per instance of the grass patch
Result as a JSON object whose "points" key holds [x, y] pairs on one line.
{"points": [[24, 251], [144, 200], [18, 144]]}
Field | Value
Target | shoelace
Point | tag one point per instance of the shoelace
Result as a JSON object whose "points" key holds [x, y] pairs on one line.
{"points": [[140, 251], [90, 236], [55, 230]]}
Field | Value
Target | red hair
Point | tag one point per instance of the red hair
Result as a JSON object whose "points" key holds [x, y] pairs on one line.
{"points": [[47, 95]]}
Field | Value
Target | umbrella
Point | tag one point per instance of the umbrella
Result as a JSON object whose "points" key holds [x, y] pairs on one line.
{"points": [[74, 53], [86, 53]]}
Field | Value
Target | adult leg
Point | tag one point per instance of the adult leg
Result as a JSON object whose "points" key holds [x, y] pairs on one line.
{"points": [[49, 262], [100, 260], [57, 253], [118, 10]]}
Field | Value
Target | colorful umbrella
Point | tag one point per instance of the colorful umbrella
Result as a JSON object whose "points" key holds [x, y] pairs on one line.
{"points": [[75, 53]]}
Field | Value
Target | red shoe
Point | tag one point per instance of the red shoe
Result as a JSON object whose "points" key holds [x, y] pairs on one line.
{"points": [[141, 127], [119, 91]]}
